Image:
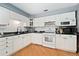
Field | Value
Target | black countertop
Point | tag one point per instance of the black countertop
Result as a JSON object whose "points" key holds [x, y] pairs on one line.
{"points": [[8, 35], [15, 33]]}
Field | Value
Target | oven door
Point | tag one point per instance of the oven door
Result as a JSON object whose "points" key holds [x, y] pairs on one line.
{"points": [[49, 40]]}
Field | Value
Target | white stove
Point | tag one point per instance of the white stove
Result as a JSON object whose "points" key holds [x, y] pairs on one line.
{"points": [[49, 40]]}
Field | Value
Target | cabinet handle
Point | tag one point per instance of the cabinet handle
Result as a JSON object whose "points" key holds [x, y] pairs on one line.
{"points": [[6, 51], [6, 46], [65, 38], [18, 36], [6, 42]]}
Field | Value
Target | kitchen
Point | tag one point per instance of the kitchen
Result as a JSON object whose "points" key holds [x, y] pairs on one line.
{"points": [[56, 30]]}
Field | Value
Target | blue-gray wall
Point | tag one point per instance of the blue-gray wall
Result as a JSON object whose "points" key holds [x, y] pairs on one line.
{"points": [[15, 9]]}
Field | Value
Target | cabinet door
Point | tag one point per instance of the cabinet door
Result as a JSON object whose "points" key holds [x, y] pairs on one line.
{"points": [[66, 42], [2, 46], [59, 42], [70, 16], [39, 39], [38, 22], [20, 42], [36, 38], [27, 39], [16, 43], [23, 41], [9, 45], [27, 24], [7, 51], [70, 43], [2, 53]]}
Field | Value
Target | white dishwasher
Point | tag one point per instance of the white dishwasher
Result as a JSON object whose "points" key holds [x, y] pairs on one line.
{"points": [[49, 40]]}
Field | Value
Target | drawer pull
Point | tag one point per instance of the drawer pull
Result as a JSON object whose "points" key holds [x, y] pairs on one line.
{"points": [[65, 38], [6, 46], [6, 42], [6, 51]]}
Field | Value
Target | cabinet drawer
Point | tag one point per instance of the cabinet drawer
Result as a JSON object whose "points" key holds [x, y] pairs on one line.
{"points": [[2, 39], [9, 51], [69, 36], [6, 51], [2, 43], [9, 42], [2, 46], [9, 39], [0, 52], [9, 45]]}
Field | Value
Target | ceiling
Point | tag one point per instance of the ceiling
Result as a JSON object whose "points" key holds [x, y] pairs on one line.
{"points": [[38, 8]]}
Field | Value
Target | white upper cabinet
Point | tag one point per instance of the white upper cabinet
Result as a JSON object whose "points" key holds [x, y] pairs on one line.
{"points": [[66, 17], [38, 22], [4, 16]]}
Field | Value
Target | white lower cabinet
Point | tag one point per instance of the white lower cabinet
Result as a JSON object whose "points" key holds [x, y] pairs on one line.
{"points": [[36, 38], [6, 46], [59, 42], [70, 43], [24, 40], [2, 48], [16, 43], [66, 42], [10, 45], [21, 41]]}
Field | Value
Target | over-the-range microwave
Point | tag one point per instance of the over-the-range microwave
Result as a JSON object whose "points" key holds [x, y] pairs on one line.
{"points": [[68, 23], [65, 23]]}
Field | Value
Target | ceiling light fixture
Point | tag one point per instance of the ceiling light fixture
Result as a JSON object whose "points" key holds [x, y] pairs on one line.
{"points": [[45, 10]]}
